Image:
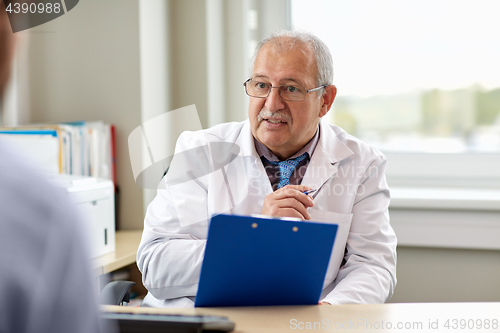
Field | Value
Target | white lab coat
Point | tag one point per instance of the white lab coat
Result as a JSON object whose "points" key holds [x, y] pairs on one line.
{"points": [[352, 192]]}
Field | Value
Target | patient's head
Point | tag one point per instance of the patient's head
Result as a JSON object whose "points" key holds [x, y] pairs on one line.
{"points": [[7, 41]]}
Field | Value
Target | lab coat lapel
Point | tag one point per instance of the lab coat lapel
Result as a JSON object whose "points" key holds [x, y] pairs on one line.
{"points": [[246, 143], [326, 157], [323, 165]]}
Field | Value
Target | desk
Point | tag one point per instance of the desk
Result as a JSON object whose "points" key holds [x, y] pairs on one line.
{"points": [[127, 243], [411, 317]]}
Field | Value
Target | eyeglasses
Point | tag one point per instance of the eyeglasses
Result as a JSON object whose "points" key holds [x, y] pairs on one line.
{"points": [[289, 92]]}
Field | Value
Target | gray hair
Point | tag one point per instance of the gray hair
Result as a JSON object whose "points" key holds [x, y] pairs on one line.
{"points": [[286, 39]]}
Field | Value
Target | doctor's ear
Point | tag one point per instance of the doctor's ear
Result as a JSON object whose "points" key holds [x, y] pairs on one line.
{"points": [[327, 99]]}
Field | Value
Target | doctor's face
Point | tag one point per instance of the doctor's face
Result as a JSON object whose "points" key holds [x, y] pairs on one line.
{"points": [[285, 126]]}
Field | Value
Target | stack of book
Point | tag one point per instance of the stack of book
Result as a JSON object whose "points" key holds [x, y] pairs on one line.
{"points": [[79, 148]]}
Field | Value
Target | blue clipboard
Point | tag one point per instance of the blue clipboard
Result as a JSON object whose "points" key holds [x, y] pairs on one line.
{"points": [[261, 262]]}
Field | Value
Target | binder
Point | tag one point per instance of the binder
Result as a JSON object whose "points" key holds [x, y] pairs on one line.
{"points": [[253, 261], [42, 145], [75, 148]]}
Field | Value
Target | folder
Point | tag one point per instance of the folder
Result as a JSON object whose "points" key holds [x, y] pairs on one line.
{"points": [[42, 145], [253, 261]]}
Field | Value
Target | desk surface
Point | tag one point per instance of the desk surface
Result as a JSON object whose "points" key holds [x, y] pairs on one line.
{"points": [[127, 243], [402, 317]]}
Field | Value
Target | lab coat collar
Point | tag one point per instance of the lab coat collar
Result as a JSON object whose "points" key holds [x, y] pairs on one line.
{"points": [[325, 160], [245, 141], [329, 145]]}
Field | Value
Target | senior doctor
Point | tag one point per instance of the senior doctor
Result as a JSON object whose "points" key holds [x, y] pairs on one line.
{"points": [[280, 151]]}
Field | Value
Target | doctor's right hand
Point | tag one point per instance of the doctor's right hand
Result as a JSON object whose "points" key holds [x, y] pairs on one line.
{"points": [[288, 201]]}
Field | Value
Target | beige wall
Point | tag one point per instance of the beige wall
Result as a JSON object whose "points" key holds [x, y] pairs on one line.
{"points": [[447, 275], [189, 69], [85, 66]]}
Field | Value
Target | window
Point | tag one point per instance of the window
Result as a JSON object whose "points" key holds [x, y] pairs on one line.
{"points": [[413, 76]]}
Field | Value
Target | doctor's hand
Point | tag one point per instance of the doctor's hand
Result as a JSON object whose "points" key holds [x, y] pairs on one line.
{"points": [[288, 201]]}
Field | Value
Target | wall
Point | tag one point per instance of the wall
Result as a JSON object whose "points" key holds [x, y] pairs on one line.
{"points": [[447, 275], [85, 66], [188, 45]]}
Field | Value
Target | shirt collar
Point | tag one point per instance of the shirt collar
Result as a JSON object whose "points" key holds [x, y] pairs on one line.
{"points": [[265, 152]]}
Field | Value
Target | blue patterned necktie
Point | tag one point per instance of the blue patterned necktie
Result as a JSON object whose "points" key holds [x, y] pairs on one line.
{"points": [[286, 168]]}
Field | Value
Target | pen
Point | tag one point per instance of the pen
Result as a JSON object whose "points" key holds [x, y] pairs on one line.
{"points": [[308, 192]]}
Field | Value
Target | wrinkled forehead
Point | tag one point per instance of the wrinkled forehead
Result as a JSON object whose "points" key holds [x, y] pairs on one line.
{"points": [[297, 52]]}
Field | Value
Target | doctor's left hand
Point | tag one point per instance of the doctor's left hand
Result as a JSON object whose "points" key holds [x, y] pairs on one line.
{"points": [[288, 201]]}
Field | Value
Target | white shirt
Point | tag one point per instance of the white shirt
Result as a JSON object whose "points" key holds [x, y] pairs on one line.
{"points": [[352, 192]]}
